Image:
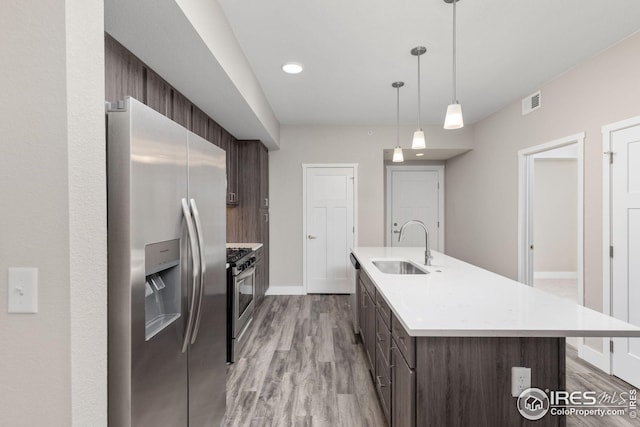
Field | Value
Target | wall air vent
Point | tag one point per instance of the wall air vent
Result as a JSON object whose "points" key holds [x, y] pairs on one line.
{"points": [[531, 103]]}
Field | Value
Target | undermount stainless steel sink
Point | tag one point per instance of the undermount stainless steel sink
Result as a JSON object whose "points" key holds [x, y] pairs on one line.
{"points": [[398, 267]]}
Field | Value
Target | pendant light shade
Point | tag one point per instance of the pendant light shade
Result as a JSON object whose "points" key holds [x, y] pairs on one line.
{"points": [[397, 155], [453, 119], [397, 152], [418, 142]]}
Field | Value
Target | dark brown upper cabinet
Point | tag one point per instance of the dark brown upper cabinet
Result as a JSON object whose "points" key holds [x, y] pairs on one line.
{"points": [[199, 122], [181, 111], [158, 94], [124, 73], [213, 132], [230, 145]]}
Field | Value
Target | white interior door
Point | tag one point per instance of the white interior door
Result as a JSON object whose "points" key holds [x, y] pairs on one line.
{"points": [[329, 229], [415, 195], [625, 233]]}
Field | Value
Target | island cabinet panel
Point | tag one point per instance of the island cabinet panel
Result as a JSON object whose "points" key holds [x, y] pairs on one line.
{"points": [[383, 384], [368, 284], [403, 391], [383, 367], [464, 381], [368, 326], [406, 344]]}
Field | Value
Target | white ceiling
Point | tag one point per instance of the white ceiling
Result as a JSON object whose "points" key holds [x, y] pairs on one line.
{"points": [[353, 50]]}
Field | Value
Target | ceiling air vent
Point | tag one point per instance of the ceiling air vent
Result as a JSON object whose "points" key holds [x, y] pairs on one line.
{"points": [[531, 103]]}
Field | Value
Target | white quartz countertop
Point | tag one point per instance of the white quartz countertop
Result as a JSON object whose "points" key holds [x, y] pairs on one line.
{"points": [[460, 299], [252, 246]]}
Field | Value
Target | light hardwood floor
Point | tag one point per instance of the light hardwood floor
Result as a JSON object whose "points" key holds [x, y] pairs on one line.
{"points": [[303, 367]]}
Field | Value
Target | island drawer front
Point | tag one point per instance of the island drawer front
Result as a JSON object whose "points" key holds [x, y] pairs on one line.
{"points": [[383, 336], [368, 284], [383, 309], [383, 385], [406, 343]]}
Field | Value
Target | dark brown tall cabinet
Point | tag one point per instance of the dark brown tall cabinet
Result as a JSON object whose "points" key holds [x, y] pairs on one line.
{"points": [[229, 144], [251, 216]]}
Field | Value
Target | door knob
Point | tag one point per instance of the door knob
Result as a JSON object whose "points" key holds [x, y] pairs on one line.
{"points": [[310, 237]]}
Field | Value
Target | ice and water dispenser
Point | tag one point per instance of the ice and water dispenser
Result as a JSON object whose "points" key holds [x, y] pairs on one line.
{"points": [[162, 286]]}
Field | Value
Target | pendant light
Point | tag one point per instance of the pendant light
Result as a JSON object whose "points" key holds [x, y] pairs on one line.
{"points": [[453, 119], [418, 136], [397, 152]]}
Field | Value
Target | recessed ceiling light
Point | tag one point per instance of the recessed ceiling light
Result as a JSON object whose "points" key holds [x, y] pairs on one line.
{"points": [[419, 154], [292, 68]]}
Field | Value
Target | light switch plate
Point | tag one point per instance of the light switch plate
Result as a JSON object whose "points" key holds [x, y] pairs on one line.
{"points": [[23, 290]]}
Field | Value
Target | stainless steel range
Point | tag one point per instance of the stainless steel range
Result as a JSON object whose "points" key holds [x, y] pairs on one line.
{"points": [[240, 298]]}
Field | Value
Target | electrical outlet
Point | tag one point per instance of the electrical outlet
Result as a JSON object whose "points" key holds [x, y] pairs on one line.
{"points": [[520, 380]]}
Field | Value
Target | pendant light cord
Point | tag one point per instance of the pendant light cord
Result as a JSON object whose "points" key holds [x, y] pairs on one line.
{"points": [[419, 113], [455, 96], [398, 116]]}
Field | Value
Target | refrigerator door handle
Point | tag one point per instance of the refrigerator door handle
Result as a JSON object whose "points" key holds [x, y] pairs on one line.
{"points": [[195, 261], [203, 268]]}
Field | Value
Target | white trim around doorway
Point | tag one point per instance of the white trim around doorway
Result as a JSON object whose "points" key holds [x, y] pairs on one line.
{"points": [[306, 166], [525, 218], [604, 360]]}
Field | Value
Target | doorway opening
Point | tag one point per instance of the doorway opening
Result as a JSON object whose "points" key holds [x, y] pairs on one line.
{"points": [[551, 212]]}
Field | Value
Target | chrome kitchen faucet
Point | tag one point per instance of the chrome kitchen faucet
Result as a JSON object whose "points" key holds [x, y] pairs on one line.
{"points": [[427, 253]]}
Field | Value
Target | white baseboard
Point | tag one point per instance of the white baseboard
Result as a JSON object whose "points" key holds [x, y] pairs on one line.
{"points": [[555, 275], [285, 290]]}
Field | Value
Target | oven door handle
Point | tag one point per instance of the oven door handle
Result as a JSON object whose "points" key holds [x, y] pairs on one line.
{"points": [[203, 269], [195, 269], [246, 273]]}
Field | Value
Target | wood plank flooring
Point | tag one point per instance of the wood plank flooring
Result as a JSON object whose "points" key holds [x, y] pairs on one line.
{"points": [[303, 367]]}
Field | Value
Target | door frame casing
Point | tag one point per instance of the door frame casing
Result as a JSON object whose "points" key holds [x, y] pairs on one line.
{"points": [[525, 206], [305, 167], [605, 360], [389, 199], [525, 220]]}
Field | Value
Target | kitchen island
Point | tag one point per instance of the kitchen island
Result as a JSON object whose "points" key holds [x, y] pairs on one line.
{"points": [[441, 345]]}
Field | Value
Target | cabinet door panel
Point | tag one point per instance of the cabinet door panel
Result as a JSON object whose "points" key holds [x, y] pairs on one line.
{"points": [[181, 111], [199, 122], [264, 176], [124, 73], [158, 94], [214, 132], [403, 391], [383, 385]]}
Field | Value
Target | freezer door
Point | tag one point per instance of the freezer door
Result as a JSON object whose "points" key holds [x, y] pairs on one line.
{"points": [[207, 354], [147, 178]]}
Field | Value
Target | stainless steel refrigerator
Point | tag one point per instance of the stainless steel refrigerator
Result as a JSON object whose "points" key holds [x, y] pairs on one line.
{"points": [[167, 275]]}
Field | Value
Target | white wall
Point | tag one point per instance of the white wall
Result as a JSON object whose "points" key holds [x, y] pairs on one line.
{"points": [[555, 215], [482, 185], [52, 184], [333, 144]]}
